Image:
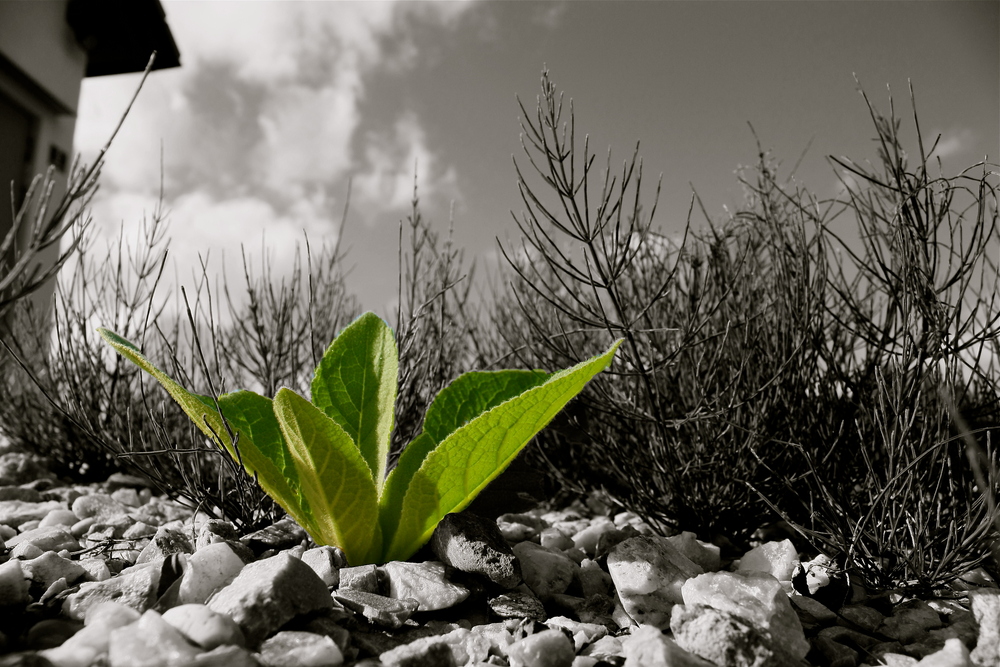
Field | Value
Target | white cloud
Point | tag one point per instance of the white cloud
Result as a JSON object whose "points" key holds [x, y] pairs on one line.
{"points": [[954, 142], [390, 163], [260, 126]]}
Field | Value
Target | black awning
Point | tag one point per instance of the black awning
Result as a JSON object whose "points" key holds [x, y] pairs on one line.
{"points": [[119, 35]]}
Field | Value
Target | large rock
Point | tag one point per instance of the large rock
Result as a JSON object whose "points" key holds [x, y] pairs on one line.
{"points": [[326, 562], [13, 584], [13, 513], [51, 538], [269, 593], [549, 648], [203, 627], [294, 649], [50, 567], [474, 544], [648, 573], [424, 582], [135, 588], [707, 556], [85, 647], [150, 642], [208, 570], [986, 609], [379, 609], [910, 621], [546, 572], [166, 542], [100, 506], [466, 648], [648, 646], [756, 597], [953, 654], [776, 558], [724, 638]]}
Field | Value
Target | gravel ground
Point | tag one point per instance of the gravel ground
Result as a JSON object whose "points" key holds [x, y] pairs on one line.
{"points": [[111, 574]]}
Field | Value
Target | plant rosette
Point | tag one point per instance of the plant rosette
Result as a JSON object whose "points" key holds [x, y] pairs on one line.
{"points": [[324, 462]]}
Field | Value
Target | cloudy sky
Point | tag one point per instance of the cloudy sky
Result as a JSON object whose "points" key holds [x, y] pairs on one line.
{"points": [[278, 104]]}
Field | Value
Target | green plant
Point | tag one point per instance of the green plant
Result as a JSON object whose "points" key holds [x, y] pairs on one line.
{"points": [[325, 462]]}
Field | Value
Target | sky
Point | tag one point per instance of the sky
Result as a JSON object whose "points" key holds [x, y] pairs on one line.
{"points": [[278, 105]]}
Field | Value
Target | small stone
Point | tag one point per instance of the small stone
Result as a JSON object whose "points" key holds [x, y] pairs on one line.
{"points": [[910, 621], [300, 649], [593, 579], [50, 633], [20, 493], [588, 537], [282, 535], [361, 578], [549, 648], [139, 530], [96, 569], [150, 642], [127, 497], [474, 544], [724, 638], [851, 638], [269, 593], [379, 609], [861, 616], [52, 538], [812, 611], [518, 604], [25, 551], [610, 649], [215, 530], [82, 527], [544, 571], [582, 633], [120, 480], [756, 597], [208, 570], [648, 646], [165, 542], [100, 506], [15, 512], [425, 652], [135, 588], [86, 646], [555, 540], [13, 584], [326, 562], [954, 654], [648, 573], [59, 517], [225, 656], [986, 610], [776, 558], [50, 567], [203, 627], [704, 555], [833, 654], [424, 582], [821, 579]]}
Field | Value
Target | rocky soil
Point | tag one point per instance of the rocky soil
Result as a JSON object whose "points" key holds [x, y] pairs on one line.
{"points": [[113, 575]]}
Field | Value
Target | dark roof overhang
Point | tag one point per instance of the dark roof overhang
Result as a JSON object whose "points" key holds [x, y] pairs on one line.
{"points": [[119, 35]]}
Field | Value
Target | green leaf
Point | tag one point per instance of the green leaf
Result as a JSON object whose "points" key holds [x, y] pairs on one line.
{"points": [[472, 456], [467, 397], [262, 449], [335, 478], [355, 386]]}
